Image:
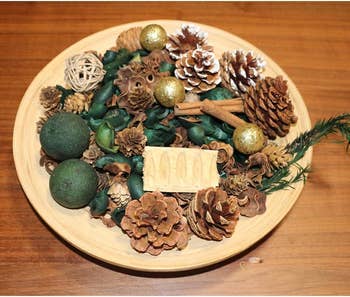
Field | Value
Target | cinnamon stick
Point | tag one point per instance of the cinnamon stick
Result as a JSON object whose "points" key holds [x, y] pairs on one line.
{"points": [[220, 113], [194, 108]]}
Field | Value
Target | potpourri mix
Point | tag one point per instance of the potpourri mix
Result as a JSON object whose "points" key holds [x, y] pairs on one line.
{"points": [[170, 89]]}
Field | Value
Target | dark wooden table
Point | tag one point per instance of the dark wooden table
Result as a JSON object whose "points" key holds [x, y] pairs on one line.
{"points": [[308, 253]]}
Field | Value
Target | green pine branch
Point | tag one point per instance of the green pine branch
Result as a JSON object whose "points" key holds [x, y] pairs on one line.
{"points": [[298, 147]]}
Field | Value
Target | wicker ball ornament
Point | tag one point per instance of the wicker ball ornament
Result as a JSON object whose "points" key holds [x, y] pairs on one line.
{"points": [[84, 72]]}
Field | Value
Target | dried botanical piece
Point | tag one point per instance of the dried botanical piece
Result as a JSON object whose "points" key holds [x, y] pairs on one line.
{"points": [[212, 214], [184, 199], [47, 162], [277, 155], [105, 180], [47, 114], [92, 153], [119, 196], [236, 184], [129, 39], [120, 170], [255, 260], [50, 98], [131, 141], [269, 106], [155, 223], [239, 70], [199, 70], [189, 38], [258, 166], [155, 58], [225, 150], [251, 202], [78, 102]]}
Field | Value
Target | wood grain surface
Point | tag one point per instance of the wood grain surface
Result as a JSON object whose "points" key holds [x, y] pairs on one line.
{"points": [[308, 253]]}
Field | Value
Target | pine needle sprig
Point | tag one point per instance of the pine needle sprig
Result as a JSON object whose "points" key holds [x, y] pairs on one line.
{"points": [[280, 180], [320, 130]]}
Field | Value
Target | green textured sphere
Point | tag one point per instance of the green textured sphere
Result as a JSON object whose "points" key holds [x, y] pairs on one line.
{"points": [[64, 136], [169, 91], [153, 37], [73, 183], [248, 139]]}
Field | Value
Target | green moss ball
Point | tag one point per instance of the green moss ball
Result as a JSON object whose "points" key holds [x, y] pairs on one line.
{"points": [[73, 183], [64, 136]]}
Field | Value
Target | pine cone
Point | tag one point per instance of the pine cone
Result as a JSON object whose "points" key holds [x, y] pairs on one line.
{"points": [[212, 214], [131, 141], [104, 180], [129, 39], [184, 199], [155, 223], [189, 38], [92, 153], [251, 202], [225, 150], [78, 102], [277, 155], [236, 184], [199, 70], [240, 70], [268, 105], [119, 195], [50, 98]]}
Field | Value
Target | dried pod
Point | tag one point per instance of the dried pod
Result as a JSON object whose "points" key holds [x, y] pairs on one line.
{"points": [[129, 39], [131, 141], [258, 166], [225, 150], [251, 202]]}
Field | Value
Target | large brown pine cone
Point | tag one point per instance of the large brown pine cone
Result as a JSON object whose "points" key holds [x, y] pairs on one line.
{"points": [[212, 214], [155, 223], [129, 39], [240, 70], [189, 38], [131, 141], [269, 106], [199, 70]]}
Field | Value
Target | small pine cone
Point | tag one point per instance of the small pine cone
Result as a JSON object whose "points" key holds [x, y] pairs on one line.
{"points": [[92, 153], [78, 102], [277, 155], [155, 223], [199, 70], [212, 214], [47, 114], [131, 141], [129, 39], [105, 180], [236, 184], [189, 38], [50, 98], [119, 195], [268, 105], [240, 70]]}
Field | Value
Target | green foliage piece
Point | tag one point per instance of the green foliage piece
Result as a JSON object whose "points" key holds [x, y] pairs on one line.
{"points": [[165, 66], [137, 164], [98, 205], [105, 138], [104, 93], [217, 93], [118, 118], [117, 215], [109, 57], [135, 185], [65, 93], [197, 134], [111, 158], [122, 57], [155, 115], [160, 135]]}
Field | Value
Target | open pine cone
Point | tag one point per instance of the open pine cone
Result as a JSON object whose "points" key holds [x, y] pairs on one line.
{"points": [[268, 105], [199, 70], [155, 223], [240, 70], [212, 214], [131, 141], [50, 98], [189, 38], [277, 155], [78, 102]]}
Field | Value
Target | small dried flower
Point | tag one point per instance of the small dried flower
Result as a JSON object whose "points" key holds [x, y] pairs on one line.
{"points": [[131, 141]]}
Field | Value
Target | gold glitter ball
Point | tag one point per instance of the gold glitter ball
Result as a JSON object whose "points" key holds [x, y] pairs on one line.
{"points": [[169, 91], [248, 139], [153, 37]]}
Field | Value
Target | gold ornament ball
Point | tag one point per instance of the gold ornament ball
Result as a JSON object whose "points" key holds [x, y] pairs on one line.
{"points": [[153, 37], [169, 91], [248, 139]]}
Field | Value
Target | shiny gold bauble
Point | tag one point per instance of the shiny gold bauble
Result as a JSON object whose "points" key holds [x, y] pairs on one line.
{"points": [[248, 138], [169, 91], [153, 37]]}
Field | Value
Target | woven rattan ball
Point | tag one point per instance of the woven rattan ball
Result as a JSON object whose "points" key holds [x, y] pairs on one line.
{"points": [[83, 72]]}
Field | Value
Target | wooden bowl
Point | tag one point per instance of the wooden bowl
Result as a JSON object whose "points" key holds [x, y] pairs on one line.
{"points": [[111, 245]]}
